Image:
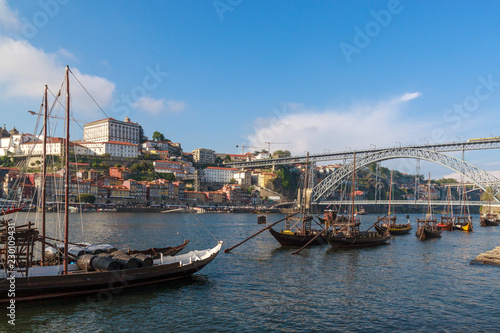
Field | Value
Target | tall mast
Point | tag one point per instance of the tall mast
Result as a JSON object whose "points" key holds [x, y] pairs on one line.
{"points": [[44, 172], [390, 197], [66, 178], [353, 185], [429, 197], [306, 183]]}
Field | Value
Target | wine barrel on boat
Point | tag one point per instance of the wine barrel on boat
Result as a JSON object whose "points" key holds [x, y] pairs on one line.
{"points": [[144, 260], [51, 253], [76, 251], [100, 248], [84, 262], [104, 264]]}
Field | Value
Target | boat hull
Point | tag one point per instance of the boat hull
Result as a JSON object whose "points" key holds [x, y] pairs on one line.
{"points": [[342, 242], [484, 222], [445, 227], [400, 229], [296, 240], [427, 233], [100, 283]]}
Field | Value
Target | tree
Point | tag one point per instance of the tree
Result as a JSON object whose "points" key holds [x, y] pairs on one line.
{"points": [[232, 181], [281, 153], [157, 136], [86, 198], [487, 195]]}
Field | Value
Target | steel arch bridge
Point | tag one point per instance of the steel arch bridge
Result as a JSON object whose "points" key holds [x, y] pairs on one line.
{"points": [[478, 176]]}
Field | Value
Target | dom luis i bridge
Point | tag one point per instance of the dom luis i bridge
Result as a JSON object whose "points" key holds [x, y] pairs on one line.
{"points": [[435, 153]]}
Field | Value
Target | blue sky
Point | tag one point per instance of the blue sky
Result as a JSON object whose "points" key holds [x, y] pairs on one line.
{"points": [[319, 75]]}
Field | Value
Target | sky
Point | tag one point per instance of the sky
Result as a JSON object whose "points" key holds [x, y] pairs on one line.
{"points": [[317, 76]]}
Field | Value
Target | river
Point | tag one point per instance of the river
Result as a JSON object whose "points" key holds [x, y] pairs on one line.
{"points": [[406, 286]]}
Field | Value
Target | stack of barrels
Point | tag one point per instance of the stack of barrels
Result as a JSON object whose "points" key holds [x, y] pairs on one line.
{"points": [[105, 258]]}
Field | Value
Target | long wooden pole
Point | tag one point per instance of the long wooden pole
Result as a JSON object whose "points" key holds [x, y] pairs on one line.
{"points": [[66, 177], [258, 232], [44, 170]]}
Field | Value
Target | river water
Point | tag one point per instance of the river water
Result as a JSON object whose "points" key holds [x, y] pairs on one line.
{"points": [[406, 286]]}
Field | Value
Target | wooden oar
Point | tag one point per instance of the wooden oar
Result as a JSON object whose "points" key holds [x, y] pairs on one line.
{"points": [[312, 239], [227, 250]]}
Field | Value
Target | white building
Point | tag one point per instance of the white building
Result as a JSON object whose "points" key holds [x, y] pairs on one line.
{"points": [[110, 129], [218, 175], [113, 148]]}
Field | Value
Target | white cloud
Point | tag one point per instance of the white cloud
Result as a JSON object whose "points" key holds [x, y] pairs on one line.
{"points": [[155, 106], [358, 127], [457, 176], [26, 69], [9, 19], [409, 96]]}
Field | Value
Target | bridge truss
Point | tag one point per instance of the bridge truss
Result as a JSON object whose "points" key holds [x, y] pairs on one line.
{"points": [[478, 176]]}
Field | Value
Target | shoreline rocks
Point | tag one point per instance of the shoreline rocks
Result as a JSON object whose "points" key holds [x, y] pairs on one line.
{"points": [[491, 257]]}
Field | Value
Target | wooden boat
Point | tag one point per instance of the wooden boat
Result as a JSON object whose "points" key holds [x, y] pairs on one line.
{"points": [[347, 234], [11, 210], [23, 278], [448, 221], [156, 253], [489, 220], [427, 227], [298, 229], [389, 221], [463, 221], [43, 282]]}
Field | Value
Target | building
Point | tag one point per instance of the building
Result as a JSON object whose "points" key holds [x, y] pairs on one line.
{"points": [[110, 129], [264, 177], [113, 148], [203, 156], [218, 175]]}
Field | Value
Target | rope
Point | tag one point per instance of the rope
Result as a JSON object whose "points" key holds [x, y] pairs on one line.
{"points": [[204, 227], [88, 93]]}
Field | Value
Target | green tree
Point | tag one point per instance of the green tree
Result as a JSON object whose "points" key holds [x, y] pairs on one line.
{"points": [[232, 181], [86, 198], [281, 153], [157, 136], [487, 195]]}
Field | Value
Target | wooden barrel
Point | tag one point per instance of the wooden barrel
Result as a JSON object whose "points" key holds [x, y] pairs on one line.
{"points": [[84, 262], [104, 255], [105, 264], [126, 261], [117, 252], [51, 253], [100, 248], [144, 260], [76, 251]]}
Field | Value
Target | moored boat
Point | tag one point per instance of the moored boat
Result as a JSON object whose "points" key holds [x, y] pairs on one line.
{"points": [[348, 234], [427, 227], [73, 273]]}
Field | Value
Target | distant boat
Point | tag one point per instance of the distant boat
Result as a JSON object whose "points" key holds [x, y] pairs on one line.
{"points": [[298, 229], [389, 222], [427, 227], [447, 222], [489, 219], [463, 221], [347, 234]]}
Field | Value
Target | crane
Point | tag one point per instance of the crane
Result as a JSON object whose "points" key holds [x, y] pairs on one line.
{"points": [[243, 148]]}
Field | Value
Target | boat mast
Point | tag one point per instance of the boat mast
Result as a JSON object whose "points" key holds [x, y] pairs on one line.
{"points": [[44, 173], [429, 198], [390, 197], [66, 178], [353, 185]]}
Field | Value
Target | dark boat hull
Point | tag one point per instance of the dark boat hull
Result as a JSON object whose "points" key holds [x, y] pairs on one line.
{"points": [[97, 283], [483, 222], [427, 233], [296, 240], [341, 241]]}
